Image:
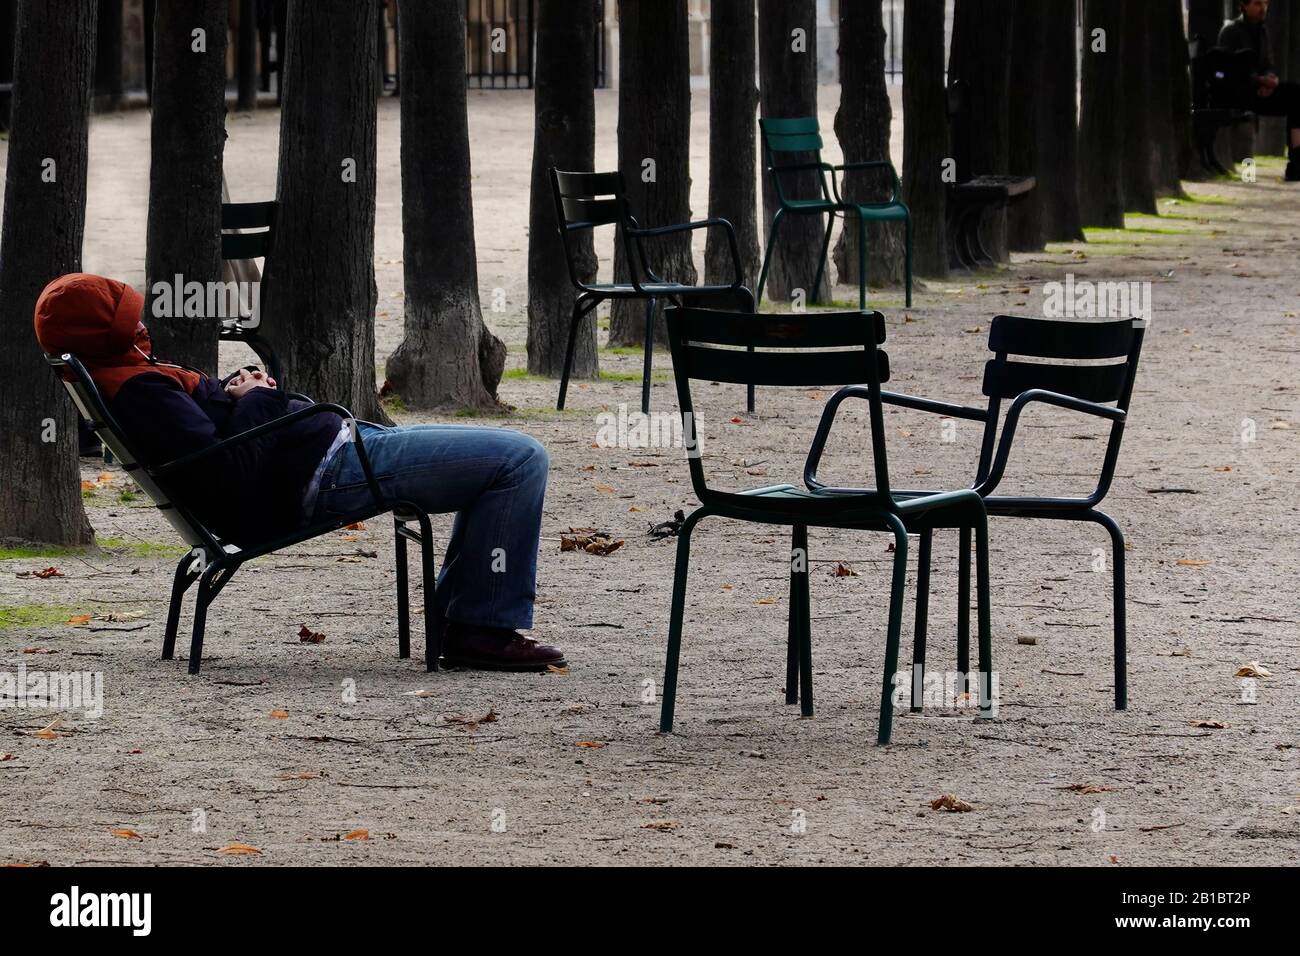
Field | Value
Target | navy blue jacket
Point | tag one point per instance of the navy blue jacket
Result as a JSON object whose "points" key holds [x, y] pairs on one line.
{"points": [[244, 494]]}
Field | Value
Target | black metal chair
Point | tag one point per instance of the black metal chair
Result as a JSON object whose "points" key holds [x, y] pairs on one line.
{"points": [[587, 201], [809, 350], [246, 232], [212, 561], [1079, 388]]}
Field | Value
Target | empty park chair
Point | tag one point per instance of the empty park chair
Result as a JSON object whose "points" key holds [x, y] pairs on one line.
{"points": [[246, 231], [785, 141], [587, 201], [808, 350], [1100, 390], [973, 193], [211, 561]]}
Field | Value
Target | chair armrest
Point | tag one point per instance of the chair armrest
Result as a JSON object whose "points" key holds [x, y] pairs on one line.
{"points": [[725, 224], [186, 461], [870, 164], [824, 431], [1117, 416]]}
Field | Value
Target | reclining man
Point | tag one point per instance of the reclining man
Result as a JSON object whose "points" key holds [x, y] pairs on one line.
{"points": [[494, 479], [1272, 96]]}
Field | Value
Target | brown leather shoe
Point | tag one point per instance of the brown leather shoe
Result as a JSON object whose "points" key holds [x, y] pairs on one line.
{"points": [[496, 649]]}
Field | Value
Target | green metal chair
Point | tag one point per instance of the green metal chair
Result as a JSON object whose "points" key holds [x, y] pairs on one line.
{"points": [[808, 350], [784, 141], [1079, 388]]}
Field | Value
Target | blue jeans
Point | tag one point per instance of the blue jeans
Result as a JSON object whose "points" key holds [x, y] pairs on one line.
{"points": [[493, 478]]}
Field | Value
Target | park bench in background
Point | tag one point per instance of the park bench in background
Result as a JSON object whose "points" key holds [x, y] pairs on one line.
{"points": [[587, 201], [809, 350], [246, 232], [1087, 389], [211, 561], [973, 193], [784, 141], [1221, 89]]}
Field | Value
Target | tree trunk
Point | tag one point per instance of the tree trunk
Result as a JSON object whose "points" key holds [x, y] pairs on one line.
{"points": [[318, 291], [187, 137], [108, 57], [1272, 139], [1057, 168], [1205, 20], [1180, 91], [7, 16], [447, 357], [564, 137], [925, 135], [44, 220], [981, 55], [654, 132], [733, 108], [1164, 38], [788, 89], [246, 65], [1028, 109], [1135, 104], [1101, 126], [862, 125]]}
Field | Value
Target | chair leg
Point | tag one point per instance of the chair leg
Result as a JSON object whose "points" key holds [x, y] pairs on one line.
{"points": [[767, 258], [206, 592], [580, 308], [181, 581], [907, 262], [985, 625], [403, 593], [676, 613], [963, 606], [897, 590], [794, 632], [747, 305], [922, 617], [805, 627], [814, 292], [649, 354], [433, 622], [1120, 607], [862, 264]]}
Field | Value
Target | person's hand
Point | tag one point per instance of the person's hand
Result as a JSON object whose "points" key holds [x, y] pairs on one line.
{"points": [[246, 381], [1268, 82]]}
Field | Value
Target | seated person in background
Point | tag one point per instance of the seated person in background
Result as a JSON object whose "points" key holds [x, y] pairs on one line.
{"points": [[1272, 96], [308, 471]]}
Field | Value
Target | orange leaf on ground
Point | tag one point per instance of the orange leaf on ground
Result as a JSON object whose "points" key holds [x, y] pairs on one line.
{"points": [[279, 714], [951, 803], [593, 744], [125, 834], [79, 619], [355, 526], [1191, 563], [47, 732], [357, 835], [50, 572], [239, 849]]}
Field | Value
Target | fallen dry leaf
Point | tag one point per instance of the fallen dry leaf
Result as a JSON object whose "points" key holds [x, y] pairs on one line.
{"points": [[842, 570], [1191, 563], [48, 731], [355, 526], [1087, 788], [766, 600], [349, 538], [605, 489], [357, 835], [50, 572], [554, 669], [7, 756], [1253, 669], [660, 825], [470, 723], [592, 744], [239, 849], [590, 540], [951, 803], [308, 636], [1208, 724], [126, 834], [78, 619], [279, 714]]}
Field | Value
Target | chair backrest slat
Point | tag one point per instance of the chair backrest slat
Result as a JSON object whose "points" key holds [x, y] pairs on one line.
{"points": [[248, 215], [795, 143], [1046, 338], [1092, 383], [805, 369], [785, 138], [586, 213], [245, 245], [588, 184]]}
